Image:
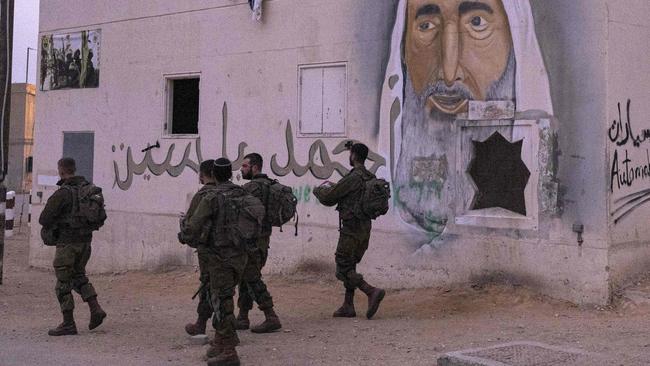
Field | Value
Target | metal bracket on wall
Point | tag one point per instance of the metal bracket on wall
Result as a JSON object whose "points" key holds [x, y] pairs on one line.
{"points": [[579, 228]]}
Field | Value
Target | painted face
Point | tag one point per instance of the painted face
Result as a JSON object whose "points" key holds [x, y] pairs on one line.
{"points": [[455, 50], [246, 171]]}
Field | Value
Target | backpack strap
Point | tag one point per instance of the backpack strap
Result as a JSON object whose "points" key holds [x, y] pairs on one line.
{"points": [[74, 191]]}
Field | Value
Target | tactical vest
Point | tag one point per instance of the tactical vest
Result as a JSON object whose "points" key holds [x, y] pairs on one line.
{"points": [[347, 205]]}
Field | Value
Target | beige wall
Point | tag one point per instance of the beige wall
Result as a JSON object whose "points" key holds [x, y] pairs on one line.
{"points": [[628, 79], [20, 136], [253, 69]]}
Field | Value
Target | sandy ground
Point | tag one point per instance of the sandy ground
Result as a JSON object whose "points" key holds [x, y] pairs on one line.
{"points": [[147, 313]]}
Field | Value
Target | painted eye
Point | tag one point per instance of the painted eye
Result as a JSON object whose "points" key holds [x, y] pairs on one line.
{"points": [[426, 26], [478, 23]]}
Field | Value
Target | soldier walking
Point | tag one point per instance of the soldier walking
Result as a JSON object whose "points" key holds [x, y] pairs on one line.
{"points": [[252, 287], [204, 308], [226, 256], [354, 231], [62, 222]]}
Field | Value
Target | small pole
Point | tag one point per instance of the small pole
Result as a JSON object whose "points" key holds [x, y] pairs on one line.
{"points": [[6, 37], [27, 66]]}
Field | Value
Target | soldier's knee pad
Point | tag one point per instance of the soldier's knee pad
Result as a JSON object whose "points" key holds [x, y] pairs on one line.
{"points": [[354, 278], [226, 306], [64, 273], [63, 287], [258, 287]]}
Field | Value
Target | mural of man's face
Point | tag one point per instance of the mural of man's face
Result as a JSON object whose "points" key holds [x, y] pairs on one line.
{"points": [[456, 50]]}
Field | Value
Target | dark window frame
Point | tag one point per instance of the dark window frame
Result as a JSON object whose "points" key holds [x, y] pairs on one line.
{"points": [[171, 112]]}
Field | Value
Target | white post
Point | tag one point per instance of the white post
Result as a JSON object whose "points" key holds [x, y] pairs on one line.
{"points": [[9, 214]]}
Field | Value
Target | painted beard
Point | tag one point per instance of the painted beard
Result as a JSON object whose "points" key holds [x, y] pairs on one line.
{"points": [[421, 178]]}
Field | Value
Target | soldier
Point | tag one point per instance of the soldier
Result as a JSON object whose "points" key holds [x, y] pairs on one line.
{"points": [[354, 232], [252, 288], [225, 262], [204, 309], [73, 248]]}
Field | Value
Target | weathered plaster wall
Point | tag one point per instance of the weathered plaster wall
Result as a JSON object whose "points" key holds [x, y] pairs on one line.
{"points": [[249, 78], [628, 168]]}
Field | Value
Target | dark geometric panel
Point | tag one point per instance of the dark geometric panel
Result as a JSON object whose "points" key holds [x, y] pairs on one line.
{"points": [[499, 174]]}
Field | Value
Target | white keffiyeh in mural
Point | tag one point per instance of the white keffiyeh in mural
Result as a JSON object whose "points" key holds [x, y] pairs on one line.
{"points": [[446, 54]]}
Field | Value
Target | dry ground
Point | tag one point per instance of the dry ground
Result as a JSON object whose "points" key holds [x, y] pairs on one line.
{"points": [[147, 312]]}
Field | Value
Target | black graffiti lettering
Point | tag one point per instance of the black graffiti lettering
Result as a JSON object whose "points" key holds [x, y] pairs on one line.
{"points": [[626, 175], [622, 132]]}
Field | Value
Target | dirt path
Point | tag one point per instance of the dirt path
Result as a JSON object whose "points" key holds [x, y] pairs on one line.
{"points": [[147, 312]]}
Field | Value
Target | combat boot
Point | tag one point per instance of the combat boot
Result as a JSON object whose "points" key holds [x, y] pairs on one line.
{"points": [[228, 355], [243, 322], [198, 327], [270, 324], [217, 345], [68, 327], [97, 314], [375, 296], [347, 309]]}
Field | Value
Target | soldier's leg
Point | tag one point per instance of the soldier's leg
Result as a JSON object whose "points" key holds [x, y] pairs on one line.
{"points": [[204, 308], [375, 295], [224, 277], [261, 294], [64, 259], [80, 282], [245, 298], [83, 287], [346, 264]]}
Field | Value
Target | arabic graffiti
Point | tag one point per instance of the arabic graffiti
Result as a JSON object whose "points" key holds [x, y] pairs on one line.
{"points": [[157, 169], [633, 169], [323, 171], [328, 166], [618, 127]]}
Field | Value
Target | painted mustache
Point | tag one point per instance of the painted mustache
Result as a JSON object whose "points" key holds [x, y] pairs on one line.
{"points": [[440, 89], [447, 99]]}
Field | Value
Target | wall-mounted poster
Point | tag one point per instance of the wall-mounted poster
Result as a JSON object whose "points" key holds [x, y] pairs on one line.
{"points": [[70, 60]]}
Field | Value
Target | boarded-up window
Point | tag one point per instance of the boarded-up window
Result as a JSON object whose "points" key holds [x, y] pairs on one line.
{"points": [[323, 100], [81, 147]]}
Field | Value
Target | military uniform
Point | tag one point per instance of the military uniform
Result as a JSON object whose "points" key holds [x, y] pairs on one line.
{"points": [[354, 236], [225, 262], [252, 287], [204, 308], [73, 250]]}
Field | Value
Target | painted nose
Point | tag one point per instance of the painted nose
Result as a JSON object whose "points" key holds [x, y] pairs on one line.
{"points": [[450, 53]]}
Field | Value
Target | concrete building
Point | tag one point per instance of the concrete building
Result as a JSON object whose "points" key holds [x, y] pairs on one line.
{"points": [[21, 138], [497, 123]]}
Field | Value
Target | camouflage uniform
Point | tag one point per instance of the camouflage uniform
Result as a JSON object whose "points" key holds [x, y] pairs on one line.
{"points": [[225, 261], [204, 308], [72, 249], [354, 236], [354, 232], [252, 288]]}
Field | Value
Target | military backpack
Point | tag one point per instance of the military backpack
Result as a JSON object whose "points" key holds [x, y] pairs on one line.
{"points": [[374, 198], [280, 203], [88, 213], [242, 217]]}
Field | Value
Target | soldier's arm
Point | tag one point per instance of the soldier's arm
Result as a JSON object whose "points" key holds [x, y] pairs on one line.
{"points": [[194, 203], [53, 208], [194, 225], [330, 196]]}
